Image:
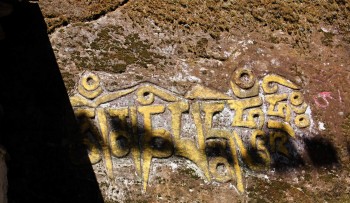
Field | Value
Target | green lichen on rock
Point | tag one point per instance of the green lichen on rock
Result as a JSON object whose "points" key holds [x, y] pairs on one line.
{"points": [[109, 50], [295, 17], [327, 38], [61, 12], [189, 172], [132, 51]]}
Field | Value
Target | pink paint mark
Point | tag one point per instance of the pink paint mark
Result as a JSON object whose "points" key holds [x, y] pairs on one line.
{"points": [[321, 99], [339, 97], [326, 94]]}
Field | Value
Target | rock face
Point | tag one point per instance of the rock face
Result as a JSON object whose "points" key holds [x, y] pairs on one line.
{"points": [[209, 101]]}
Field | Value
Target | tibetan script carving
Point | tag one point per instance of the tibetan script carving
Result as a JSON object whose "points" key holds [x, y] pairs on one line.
{"points": [[146, 121]]}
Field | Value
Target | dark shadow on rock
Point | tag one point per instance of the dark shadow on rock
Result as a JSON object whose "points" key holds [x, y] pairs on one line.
{"points": [[39, 128], [281, 161], [283, 155], [321, 151], [280, 150]]}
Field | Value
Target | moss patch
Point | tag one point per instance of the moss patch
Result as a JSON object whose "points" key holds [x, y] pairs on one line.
{"points": [[111, 53]]}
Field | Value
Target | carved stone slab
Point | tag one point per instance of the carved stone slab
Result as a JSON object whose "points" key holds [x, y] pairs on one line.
{"points": [[253, 126]]}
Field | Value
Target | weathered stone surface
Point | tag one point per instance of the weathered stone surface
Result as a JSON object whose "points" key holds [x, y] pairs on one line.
{"points": [[178, 45]]}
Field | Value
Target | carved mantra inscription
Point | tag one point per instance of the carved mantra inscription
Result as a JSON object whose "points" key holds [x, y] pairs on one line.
{"points": [[209, 128]]}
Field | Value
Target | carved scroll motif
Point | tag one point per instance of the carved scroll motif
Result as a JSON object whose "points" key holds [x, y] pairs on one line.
{"points": [[244, 84]]}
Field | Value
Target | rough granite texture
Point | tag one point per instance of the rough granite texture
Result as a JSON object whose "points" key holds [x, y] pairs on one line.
{"points": [[176, 44]]}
